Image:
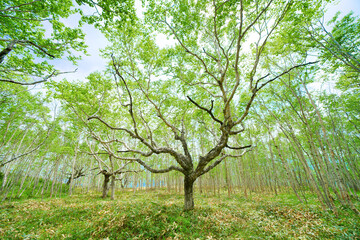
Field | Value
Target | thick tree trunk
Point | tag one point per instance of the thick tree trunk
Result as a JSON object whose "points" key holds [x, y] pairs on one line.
{"points": [[189, 194], [105, 186]]}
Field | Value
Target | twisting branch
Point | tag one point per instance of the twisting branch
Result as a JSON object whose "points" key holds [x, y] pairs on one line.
{"points": [[144, 154], [147, 167], [173, 128], [27, 19], [283, 73], [214, 58], [118, 92], [18, 6], [260, 50], [127, 171], [26, 42], [142, 163], [129, 93], [53, 74], [238, 131], [12, 44], [217, 162], [209, 111], [157, 108], [30, 83], [180, 158], [148, 129], [238, 148], [97, 153], [111, 127], [256, 89]]}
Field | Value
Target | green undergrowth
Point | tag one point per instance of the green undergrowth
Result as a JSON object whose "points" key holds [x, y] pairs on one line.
{"points": [[159, 215]]}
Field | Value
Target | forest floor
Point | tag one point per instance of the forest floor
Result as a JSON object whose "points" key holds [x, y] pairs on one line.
{"points": [[159, 215]]}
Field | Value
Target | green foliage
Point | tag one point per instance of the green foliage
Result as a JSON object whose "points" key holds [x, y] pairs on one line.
{"points": [[340, 49], [154, 215], [24, 119], [110, 14], [160, 78], [31, 34], [157, 80]]}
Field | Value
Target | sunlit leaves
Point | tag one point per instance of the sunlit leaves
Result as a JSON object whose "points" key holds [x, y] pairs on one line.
{"points": [[33, 33]]}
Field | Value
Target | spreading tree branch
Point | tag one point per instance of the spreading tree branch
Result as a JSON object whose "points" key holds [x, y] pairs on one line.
{"points": [[209, 111]]}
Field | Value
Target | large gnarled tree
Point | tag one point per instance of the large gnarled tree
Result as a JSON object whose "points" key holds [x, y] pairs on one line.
{"points": [[196, 90]]}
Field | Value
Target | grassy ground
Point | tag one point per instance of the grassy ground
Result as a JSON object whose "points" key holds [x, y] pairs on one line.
{"points": [[158, 215]]}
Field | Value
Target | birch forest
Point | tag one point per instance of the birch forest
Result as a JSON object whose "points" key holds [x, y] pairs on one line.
{"points": [[210, 119]]}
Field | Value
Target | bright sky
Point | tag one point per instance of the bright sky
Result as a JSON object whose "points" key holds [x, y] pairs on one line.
{"points": [[96, 41]]}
